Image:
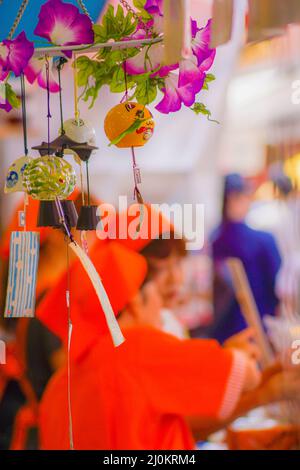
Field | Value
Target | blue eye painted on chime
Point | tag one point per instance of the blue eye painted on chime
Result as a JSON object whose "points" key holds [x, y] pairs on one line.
{"points": [[12, 179]]}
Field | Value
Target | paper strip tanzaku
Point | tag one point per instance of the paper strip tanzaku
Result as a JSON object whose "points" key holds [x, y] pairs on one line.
{"points": [[23, 263], [90, 269]]}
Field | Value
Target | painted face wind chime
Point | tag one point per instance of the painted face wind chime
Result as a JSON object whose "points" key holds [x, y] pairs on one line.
{"points": [[130, 125]]}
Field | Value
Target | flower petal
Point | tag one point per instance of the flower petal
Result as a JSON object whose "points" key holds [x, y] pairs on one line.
{"points": [[5, 105], [63, 24], [201, 43], [36, 69], [140, 63], [3, 72], [153, 6], [208, 62], [187, 94], [20, 50], [171, 101], [42, 81], [33, 69], [190, 74]]}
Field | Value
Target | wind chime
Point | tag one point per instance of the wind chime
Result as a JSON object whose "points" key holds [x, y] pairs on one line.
{"points": [[24, 245], [130, 124]]}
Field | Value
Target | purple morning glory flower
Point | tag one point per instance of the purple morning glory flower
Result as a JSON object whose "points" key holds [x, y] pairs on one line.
{"points": [[154, 6], [63, 24], [201, 44], [181, 89], [15, 55]]}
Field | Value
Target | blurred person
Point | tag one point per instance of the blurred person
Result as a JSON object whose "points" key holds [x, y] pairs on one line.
{"points": [[152, 378], [165, 368], [280, 214], [256, 249]]}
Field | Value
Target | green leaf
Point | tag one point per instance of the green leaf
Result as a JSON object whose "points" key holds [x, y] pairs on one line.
{"points": [[210, 77], [115, 26], [137, 123], [11, 96], [146, 91], [139, 4], [200, 108]]}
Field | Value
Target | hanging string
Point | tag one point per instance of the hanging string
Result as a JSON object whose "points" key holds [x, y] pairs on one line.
{"points": [[24, 116], [60, 65], [87, 182], [136, 170], [18, 18], [48, 101], [70, 330], [76, 107], [137, 178], [84, 9], [24, 122]]}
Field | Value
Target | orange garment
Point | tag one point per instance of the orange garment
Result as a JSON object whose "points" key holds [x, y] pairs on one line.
{"points": [[31, 221], [32, 211], [136, 396], [122, 272]]}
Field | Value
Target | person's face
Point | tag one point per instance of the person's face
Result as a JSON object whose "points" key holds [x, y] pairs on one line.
{"points": [[145, 308], [238, 206], [168, 277]]}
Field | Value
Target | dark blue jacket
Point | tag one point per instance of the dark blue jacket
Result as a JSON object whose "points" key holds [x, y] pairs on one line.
{"points": [[260, 256]]}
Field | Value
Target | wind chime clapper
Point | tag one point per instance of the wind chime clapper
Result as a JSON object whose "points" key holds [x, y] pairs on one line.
{"points": [[130, 125]]}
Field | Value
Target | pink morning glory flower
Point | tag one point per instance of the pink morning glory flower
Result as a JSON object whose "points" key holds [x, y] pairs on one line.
{"points": [[14, 55], [63, 24], [177, 91], [36, 70], [201, 44]]}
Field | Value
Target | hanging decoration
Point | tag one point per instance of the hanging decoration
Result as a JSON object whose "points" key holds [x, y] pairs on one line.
{"points": [[24, 246], [23, 263], [129, 125], [48, 178]]}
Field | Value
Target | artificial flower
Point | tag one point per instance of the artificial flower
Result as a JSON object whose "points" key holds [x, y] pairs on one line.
{"points": [[148, 60], [36, 70], [154, 6], [63, 25], [175, 95], [190, 73], [201, 44], [5, 105], [15, 55]]}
